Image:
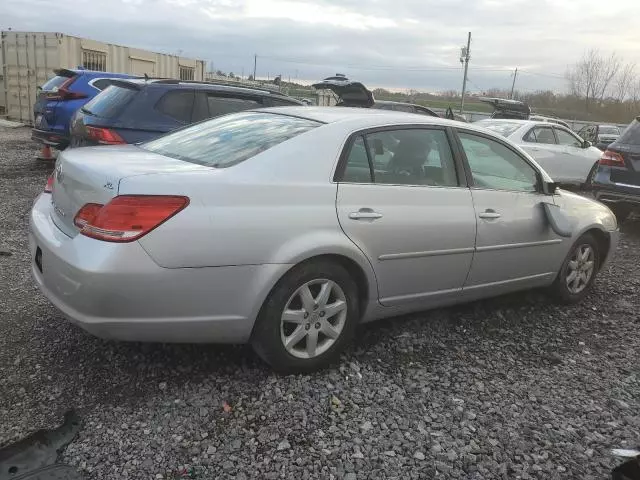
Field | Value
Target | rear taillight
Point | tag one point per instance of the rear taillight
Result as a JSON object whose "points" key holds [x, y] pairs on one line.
{"points": [[127, 217], [611, 159], [48, 188], [63, 92], [104, 136], [86, 214]]}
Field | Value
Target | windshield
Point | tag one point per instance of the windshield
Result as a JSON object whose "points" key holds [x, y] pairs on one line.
{"points": [[110, 102], [609, 130], [231, 139], [502, 128], [631, 134], [53, 84]]}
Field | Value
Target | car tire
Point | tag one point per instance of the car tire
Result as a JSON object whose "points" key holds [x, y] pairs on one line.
{"points": [[621, 212], [291, 322], [578, 271]]}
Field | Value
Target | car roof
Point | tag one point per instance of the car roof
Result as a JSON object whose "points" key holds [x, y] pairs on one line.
{"points": [[361, 117], [222, 87], [521, 122]]}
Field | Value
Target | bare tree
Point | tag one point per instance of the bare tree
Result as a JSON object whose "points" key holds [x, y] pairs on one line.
{"points": [[592, 75], [623, 83]]}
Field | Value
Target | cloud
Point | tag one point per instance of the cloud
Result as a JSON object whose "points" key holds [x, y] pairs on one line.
{"points": [[392, 43]]}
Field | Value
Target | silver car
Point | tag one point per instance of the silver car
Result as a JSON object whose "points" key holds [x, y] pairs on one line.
{"points": [[563, 154], [287, 227]]}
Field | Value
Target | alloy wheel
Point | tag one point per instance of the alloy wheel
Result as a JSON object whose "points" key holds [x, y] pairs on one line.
{"points": [[313, 318], [580, 268]]}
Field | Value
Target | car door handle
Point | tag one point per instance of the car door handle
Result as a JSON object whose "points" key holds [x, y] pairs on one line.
{"points": [[489, 214], [365, 214]]}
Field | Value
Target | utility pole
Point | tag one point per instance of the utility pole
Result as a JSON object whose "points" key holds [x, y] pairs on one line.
{"points": [[513, 85], [255, 61], [465, 55]]}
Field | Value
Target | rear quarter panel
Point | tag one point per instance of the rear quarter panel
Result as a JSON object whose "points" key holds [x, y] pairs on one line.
{"points": [[277, 207]]}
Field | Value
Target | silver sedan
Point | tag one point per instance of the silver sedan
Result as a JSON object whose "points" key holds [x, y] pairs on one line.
{"points": [[287, 227], [563, 154]]}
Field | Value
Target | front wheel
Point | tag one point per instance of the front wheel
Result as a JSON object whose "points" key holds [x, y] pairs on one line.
{"points": [[308, 317], [578, 270]]}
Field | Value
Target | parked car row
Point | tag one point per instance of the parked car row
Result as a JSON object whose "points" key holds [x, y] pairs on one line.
{"points": [[287, 227]]}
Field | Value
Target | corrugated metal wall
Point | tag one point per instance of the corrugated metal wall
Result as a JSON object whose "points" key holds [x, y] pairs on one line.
{"points": [[28, 59]]}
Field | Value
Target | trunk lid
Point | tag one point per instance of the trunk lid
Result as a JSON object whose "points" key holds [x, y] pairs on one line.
{"points": [[92, 175], [350, 94]]}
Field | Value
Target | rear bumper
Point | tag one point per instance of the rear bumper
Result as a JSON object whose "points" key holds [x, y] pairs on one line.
{"points": [[51, 138], [116, 291]]}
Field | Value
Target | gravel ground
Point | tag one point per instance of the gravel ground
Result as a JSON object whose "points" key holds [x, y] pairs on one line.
{"points": [[514, 387]]}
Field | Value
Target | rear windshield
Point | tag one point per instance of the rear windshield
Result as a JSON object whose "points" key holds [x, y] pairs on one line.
{"points": [[607, 130], [110, 102], [231, 139], [53, 84], [502, 128], [631, 135]]}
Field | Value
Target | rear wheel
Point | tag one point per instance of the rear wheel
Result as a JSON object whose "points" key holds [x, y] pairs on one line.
{"points": [[621, 212], [578, 270], [308, 318]]}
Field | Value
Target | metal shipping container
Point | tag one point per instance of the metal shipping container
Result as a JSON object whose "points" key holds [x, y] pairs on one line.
{"points": [[28, 59]]}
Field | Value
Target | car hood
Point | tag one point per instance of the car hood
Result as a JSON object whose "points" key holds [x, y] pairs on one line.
{"points": [[351, 94]]}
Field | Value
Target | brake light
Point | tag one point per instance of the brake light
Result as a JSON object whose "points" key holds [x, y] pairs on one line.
{"points": [[48, 188], [104, 136], [63, 92], [86, 214], [612, 159], [128, 217]]}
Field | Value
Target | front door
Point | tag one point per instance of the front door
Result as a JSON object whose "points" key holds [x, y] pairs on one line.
{"points": [[577, 161], [515, 246], [401, 202]]}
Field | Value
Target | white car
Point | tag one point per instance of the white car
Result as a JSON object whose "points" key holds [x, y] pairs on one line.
{"points": [[563, 154]]}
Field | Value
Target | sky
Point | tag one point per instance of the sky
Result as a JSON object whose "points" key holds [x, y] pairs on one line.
{"points": [[396, 44]]}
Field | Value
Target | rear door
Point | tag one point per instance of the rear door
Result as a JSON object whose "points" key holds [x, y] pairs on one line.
{"points": [[515, 247], [577, 161], [402, 201], [540, 142]]}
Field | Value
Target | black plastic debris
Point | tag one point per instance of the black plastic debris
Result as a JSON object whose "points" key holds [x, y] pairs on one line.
{"points": [[629, 470], [22, 459], [52, 472]]}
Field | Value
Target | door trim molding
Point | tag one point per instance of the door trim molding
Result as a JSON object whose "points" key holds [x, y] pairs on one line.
{"points": [[429, 253], [401, 299], [509, 246], [498, 283]]}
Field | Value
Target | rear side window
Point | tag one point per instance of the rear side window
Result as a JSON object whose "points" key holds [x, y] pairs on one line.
{"points": [[540, 135], [101, 83], [111, 101], [631, 135], [225, 141], [279, 102], [219, 105], [177, 104], [53, 84]]}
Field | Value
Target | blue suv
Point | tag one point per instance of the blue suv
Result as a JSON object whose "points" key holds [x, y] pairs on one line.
{"points": [[132, 111], [60, 97]]}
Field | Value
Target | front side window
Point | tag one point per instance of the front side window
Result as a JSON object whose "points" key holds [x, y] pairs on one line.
{"points": [[568, 139], [225, 141], [495, 166], [540, 135], [402, 157]]}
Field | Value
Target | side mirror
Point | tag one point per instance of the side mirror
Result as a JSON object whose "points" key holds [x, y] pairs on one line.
{"points": [[549, 188], [586, 144]]}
